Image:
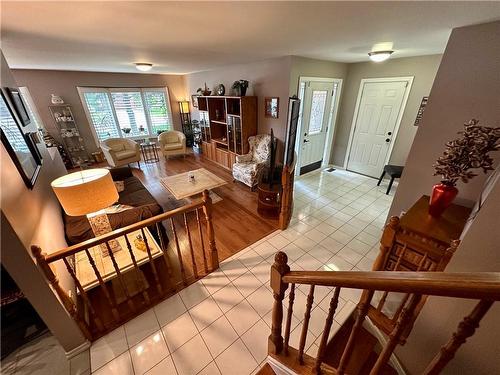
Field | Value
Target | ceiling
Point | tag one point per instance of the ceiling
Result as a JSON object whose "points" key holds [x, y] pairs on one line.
{"points": [[183, 37]]}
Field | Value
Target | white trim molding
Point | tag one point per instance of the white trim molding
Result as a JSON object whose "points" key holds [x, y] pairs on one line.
{"points": [[409, 80], [79, 349]]}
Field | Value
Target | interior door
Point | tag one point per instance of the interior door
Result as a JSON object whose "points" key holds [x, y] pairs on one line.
{"points": [[315, 118], [378, 112]]}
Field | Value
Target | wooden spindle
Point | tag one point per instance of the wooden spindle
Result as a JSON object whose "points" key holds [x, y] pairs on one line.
{"points": [[163, 247], [67, 302], [85, 298], [384, 296], [465, 329], [111, 301], [334, 302], [193, 260], [139, 277], [151, 262], [305, 325], [278, 270], [200, 231], [394, 337], [362, 311], [288, 324], [120, 277], [386, 243], [179, 254], [207, 209]]}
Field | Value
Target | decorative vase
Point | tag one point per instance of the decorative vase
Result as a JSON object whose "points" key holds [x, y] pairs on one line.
{"points": [[243, 91], [442, 196]]}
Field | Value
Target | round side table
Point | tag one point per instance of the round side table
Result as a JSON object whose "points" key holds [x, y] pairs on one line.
{"points": [[268, 204], [149, 152]]}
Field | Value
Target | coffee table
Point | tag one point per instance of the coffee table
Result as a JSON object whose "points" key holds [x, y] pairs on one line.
{"points": [[181, 187]]}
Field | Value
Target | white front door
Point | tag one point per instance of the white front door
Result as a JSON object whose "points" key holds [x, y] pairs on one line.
{"points": [[376, 118], [315, 118]]}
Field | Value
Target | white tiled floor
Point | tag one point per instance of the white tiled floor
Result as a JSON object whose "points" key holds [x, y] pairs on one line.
{"points": [[220, 324]]}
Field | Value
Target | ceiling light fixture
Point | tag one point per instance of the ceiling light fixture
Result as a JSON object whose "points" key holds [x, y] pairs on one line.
{"points": [[144, 67], [379, 56]]}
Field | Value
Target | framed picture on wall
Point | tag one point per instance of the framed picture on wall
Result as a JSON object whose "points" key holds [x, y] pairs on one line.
{"points": [[19, 106], [272, 107], [194, 100], [20, 146]]}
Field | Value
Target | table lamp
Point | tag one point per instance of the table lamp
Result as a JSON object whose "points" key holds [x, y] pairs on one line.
{"points": [[89, 192]]}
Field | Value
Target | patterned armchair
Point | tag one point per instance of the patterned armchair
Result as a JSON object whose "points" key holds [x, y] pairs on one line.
{"points": [[248, 168]]}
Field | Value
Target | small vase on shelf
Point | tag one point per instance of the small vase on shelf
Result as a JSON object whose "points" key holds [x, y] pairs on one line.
{"points": [[442, 196]]}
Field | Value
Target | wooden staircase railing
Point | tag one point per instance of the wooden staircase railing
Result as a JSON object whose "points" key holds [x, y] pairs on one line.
{"points": [[166, 273], [483, 287]]}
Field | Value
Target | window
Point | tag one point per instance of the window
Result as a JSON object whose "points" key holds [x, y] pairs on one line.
{"points": [[130, 113], [30, 106], [318, 103]]}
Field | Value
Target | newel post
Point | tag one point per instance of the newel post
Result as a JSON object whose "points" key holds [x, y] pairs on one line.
{"points": [[278, 270], [54, 282], [207, 209], [386, 243]]}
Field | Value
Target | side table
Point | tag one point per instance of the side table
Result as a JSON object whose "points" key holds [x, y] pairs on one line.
{"points": [[269, 201], [149, 152]]}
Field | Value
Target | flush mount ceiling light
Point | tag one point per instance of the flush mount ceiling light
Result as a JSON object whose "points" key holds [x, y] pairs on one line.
{"points": [[144, 67], [379, 56]]}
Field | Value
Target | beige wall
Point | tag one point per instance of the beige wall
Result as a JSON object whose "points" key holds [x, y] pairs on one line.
{"points": [[305, 67], [43, 83], [33, 217], [422, 68], [467, 85], [266, 78]]}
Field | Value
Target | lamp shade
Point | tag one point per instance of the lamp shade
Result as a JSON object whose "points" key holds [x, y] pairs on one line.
{"points": [[184, 107], [85, 192]]}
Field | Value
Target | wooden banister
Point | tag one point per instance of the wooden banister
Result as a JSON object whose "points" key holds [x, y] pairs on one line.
{"points": [[472, 285], [122, 231]]}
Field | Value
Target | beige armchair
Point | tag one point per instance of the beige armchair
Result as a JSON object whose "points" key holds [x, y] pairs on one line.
{"points": [[248, 168], [172, 142], [121, 151]]}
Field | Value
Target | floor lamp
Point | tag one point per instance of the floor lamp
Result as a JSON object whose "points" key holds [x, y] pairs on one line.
{"points": [[89, 192]]}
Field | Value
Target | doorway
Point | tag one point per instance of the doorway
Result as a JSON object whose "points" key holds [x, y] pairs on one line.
{"points": [[319, 102], [379, 108]]}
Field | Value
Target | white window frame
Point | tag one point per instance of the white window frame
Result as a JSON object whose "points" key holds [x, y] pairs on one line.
{"points": [[108, 90]]}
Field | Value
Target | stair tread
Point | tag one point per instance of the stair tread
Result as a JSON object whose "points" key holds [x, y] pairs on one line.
{"points": [[266, 370]]}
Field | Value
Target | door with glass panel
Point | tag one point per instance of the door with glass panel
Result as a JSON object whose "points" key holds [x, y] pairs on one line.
{"points": [[317, 100]]}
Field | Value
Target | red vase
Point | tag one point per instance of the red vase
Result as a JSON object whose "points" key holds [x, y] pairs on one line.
{"points": [[441, 198]]}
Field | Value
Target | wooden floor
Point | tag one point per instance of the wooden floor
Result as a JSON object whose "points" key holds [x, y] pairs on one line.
{"points": [[236, 225], [236, 221]]}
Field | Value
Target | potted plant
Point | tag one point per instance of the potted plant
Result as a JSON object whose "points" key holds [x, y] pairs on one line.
{"points": [[461, 157], [126, 130], [240, 87]]}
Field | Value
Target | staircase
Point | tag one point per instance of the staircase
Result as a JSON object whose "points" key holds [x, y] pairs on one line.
{"points": [[355, 348]]}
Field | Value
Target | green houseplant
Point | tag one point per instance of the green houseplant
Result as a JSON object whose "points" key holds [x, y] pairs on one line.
{"points": [[460, 158]]}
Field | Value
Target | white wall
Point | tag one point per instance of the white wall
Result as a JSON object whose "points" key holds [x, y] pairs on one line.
{"points": [[33, 217], [467, 85]]}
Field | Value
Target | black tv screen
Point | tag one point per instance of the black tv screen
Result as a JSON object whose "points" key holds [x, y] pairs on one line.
{"points": [[291, 129]]}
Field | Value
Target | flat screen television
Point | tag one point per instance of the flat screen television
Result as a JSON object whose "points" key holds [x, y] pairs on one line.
{"points": [[291, 129]]}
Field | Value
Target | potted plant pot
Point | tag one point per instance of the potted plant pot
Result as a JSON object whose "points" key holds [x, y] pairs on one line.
{"points": [[442, 197]]}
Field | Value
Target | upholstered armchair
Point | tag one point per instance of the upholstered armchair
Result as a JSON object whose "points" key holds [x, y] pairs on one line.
{"points": [[172, 142], [121, 151], [248, 168]]}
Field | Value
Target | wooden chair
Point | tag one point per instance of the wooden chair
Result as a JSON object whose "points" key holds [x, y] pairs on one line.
{"points": [[394, 171]]}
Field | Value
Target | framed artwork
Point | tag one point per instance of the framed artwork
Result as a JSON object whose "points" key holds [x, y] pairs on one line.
{"points": [[19, 106], [421, 109], [20, 147], [272, 107], [194, 100]]}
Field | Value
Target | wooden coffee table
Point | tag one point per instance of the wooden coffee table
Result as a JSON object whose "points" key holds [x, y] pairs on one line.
{"points": [[180, 186]]}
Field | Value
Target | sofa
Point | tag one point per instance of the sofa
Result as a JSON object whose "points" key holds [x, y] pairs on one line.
{"points": [[77, 228], [172, 142], [121, 151]]}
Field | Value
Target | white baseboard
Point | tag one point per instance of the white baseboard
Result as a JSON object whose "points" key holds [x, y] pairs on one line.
{"points": [[79, 349]]}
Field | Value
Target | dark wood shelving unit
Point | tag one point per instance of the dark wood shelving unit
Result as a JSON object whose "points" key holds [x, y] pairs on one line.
{"points": [[226, 122]]}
